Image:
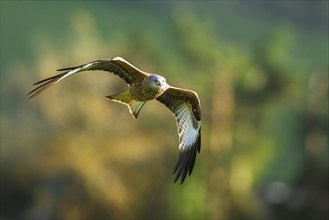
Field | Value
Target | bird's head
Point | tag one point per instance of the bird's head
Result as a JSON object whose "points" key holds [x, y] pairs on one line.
{"points": [[158, 82]]}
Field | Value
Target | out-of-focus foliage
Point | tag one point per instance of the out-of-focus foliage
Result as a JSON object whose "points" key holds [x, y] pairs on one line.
{"points": [[260, 69]]}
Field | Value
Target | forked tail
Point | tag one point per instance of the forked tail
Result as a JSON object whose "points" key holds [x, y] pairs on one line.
{"points": [[126, 99]]}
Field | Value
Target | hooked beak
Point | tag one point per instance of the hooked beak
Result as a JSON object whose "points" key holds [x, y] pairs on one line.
{"points": [[164, 86]]}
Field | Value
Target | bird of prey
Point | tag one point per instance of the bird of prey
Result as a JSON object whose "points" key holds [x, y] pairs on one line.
{"points": [[184, 104]]}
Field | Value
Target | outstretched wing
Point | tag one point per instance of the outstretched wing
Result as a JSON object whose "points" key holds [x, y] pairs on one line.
{"points": [[185, 105], [116, 65]]}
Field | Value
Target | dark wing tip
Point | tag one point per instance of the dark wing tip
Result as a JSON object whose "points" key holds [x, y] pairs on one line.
{"points": [[74, 67], [67, 68], [186, 160], [45, 84]]}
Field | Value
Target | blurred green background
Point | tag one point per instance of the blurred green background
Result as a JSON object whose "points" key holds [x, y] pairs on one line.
{"points": [[260, 69]]}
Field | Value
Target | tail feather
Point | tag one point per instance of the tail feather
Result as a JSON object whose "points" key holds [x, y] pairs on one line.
{"points": [[126, 99], [122, 97], [135, 107]]}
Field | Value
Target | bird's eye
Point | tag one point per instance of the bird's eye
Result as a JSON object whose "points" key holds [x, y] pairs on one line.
{"points": [[157, 82]]}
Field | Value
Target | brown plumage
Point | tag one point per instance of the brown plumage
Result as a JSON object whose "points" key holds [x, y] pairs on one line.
{"points": [[184, 104]]}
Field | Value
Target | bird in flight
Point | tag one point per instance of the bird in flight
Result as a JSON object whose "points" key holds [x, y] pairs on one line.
{"points": [[143, 87]]}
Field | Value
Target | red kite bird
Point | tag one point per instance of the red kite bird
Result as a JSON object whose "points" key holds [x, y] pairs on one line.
{"points": [[184, 104]]}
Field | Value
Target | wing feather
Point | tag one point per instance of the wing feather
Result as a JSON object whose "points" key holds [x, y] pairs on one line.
{"points": [[185, 105], [116, 65]]}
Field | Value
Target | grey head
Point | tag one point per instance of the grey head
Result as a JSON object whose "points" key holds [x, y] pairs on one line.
{"points": [[158, 82]]}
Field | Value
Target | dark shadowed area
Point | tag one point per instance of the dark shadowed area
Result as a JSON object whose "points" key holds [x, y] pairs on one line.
{"points": [[260, 69]]}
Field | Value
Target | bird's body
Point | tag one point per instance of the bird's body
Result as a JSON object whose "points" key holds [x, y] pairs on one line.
{"points": [[142, 90], [143, 87], [149, 88]]}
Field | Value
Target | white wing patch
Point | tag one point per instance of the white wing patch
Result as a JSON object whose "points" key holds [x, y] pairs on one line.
{"points": [[185, 105], [188, 134]]}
